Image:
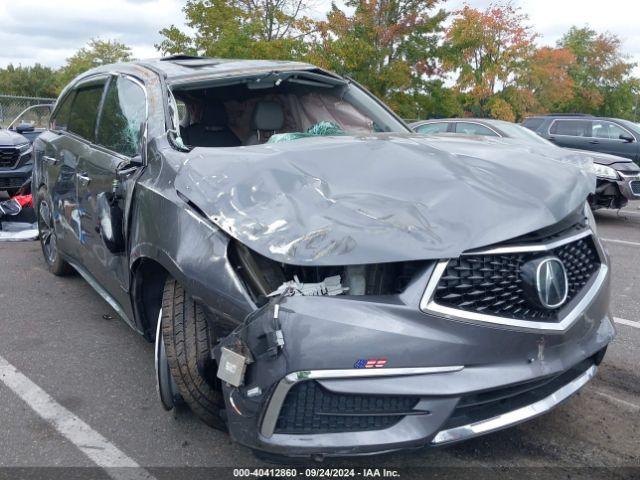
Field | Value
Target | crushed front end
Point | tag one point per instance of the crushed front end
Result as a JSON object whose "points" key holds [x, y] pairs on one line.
{"points": [[413, 354]]}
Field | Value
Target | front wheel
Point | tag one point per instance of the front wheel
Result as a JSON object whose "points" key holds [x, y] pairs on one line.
{"points": [[186, 337], [47, 235]]}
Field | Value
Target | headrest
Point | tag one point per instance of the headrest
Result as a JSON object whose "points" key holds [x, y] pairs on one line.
{"points": [[214, 115], [268, 116]]}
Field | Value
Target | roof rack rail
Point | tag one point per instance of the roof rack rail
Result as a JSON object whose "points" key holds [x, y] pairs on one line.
{"points": [[568, 115]]}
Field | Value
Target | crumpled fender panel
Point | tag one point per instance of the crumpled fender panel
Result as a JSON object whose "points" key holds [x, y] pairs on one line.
{"points": [[381, 198]]}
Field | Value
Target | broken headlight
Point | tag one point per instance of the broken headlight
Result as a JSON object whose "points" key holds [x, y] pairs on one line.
{"points": [[591, 221], [602, 171], [264, 277]]}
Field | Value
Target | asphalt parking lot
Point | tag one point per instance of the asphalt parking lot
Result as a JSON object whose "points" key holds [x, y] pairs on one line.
{"points": [[62, 337]]}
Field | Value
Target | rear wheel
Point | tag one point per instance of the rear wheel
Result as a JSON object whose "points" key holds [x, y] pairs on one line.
{"points": [[48, 237], [186, 338]]}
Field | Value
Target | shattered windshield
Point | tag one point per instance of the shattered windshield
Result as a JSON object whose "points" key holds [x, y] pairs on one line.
{"points": [[279, 108]]}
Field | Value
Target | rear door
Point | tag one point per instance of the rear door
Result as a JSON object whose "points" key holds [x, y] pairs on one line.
{"points": [[69, 139], [571, 133], [115, 159], [81, 133]]}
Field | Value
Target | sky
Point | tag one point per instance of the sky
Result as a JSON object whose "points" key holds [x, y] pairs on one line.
{"points": [[48, 31]]}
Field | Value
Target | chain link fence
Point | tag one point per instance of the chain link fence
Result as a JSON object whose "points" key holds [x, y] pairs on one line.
{"points": [[11, 106]]}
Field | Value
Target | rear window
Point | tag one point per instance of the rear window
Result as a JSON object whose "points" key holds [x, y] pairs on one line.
{"points": [[572, 128], [84, 111], [533, 123]]}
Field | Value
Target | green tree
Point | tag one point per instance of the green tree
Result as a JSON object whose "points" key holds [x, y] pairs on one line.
{"points": [[601, 72], [97, 52], [390, 46], [35, 81], [240, 29]]}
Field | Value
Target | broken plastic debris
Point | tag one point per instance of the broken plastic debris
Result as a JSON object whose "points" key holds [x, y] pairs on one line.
{"points": [[329, 286], [18, 231], [232, 367]]}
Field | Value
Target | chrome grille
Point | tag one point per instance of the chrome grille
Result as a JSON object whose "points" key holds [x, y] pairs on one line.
{"points": [[492, 284]]}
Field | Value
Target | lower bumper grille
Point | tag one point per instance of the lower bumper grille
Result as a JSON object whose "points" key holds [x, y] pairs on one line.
{"points": [[635, 187], [311, 409], [11, 182]]}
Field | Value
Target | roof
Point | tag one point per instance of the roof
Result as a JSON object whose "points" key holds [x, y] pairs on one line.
{"points": [[183, 67]]}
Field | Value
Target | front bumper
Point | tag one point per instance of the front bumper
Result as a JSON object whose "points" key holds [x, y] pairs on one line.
{"points": [[13, 178], [629, 186], [459, 362]]}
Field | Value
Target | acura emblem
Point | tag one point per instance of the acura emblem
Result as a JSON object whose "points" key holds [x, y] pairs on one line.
{"points": [[545, 282]]}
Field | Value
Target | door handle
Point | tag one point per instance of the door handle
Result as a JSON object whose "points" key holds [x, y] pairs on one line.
{"points": [[83, 178], [50, 160]]}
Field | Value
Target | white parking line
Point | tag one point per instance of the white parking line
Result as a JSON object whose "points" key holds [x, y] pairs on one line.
{"points": [[628, 323], [617, 400], [621, 242], [99, 450]]}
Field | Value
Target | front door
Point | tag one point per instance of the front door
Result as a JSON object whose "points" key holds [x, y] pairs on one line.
{"points": [[101, 184]]}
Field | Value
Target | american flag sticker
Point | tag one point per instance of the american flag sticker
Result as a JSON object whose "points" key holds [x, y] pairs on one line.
{"points": [[370, 363]]}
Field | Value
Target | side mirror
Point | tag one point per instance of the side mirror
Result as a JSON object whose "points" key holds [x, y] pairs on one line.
{"points": [[24, 128], [626, 137]]}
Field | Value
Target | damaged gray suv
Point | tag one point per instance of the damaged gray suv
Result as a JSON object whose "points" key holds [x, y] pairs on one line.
{"points": [[318, 279]]}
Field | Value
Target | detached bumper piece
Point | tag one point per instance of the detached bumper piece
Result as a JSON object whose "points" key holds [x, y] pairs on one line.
{"points": [[498, 409]]}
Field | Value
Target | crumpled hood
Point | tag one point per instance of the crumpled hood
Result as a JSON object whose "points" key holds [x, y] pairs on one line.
{"points": [[9, 138], [381, 198]]}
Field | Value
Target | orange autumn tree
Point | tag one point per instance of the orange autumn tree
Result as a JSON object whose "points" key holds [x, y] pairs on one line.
{"points": [[488, 51], [549, 78]]}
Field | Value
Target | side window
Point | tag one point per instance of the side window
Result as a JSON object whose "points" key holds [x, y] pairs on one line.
{"points": [[123, 111], [572, 128], [60, 120], [474, 129], [440, 127], [607, 130], [84, 111]]}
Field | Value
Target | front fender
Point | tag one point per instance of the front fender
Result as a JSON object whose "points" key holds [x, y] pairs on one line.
{"points": [[192, 250]]}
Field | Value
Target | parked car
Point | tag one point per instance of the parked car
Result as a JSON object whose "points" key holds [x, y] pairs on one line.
{"points": [[318, 279], [618, 178], [15, 146], [585, 132]]}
